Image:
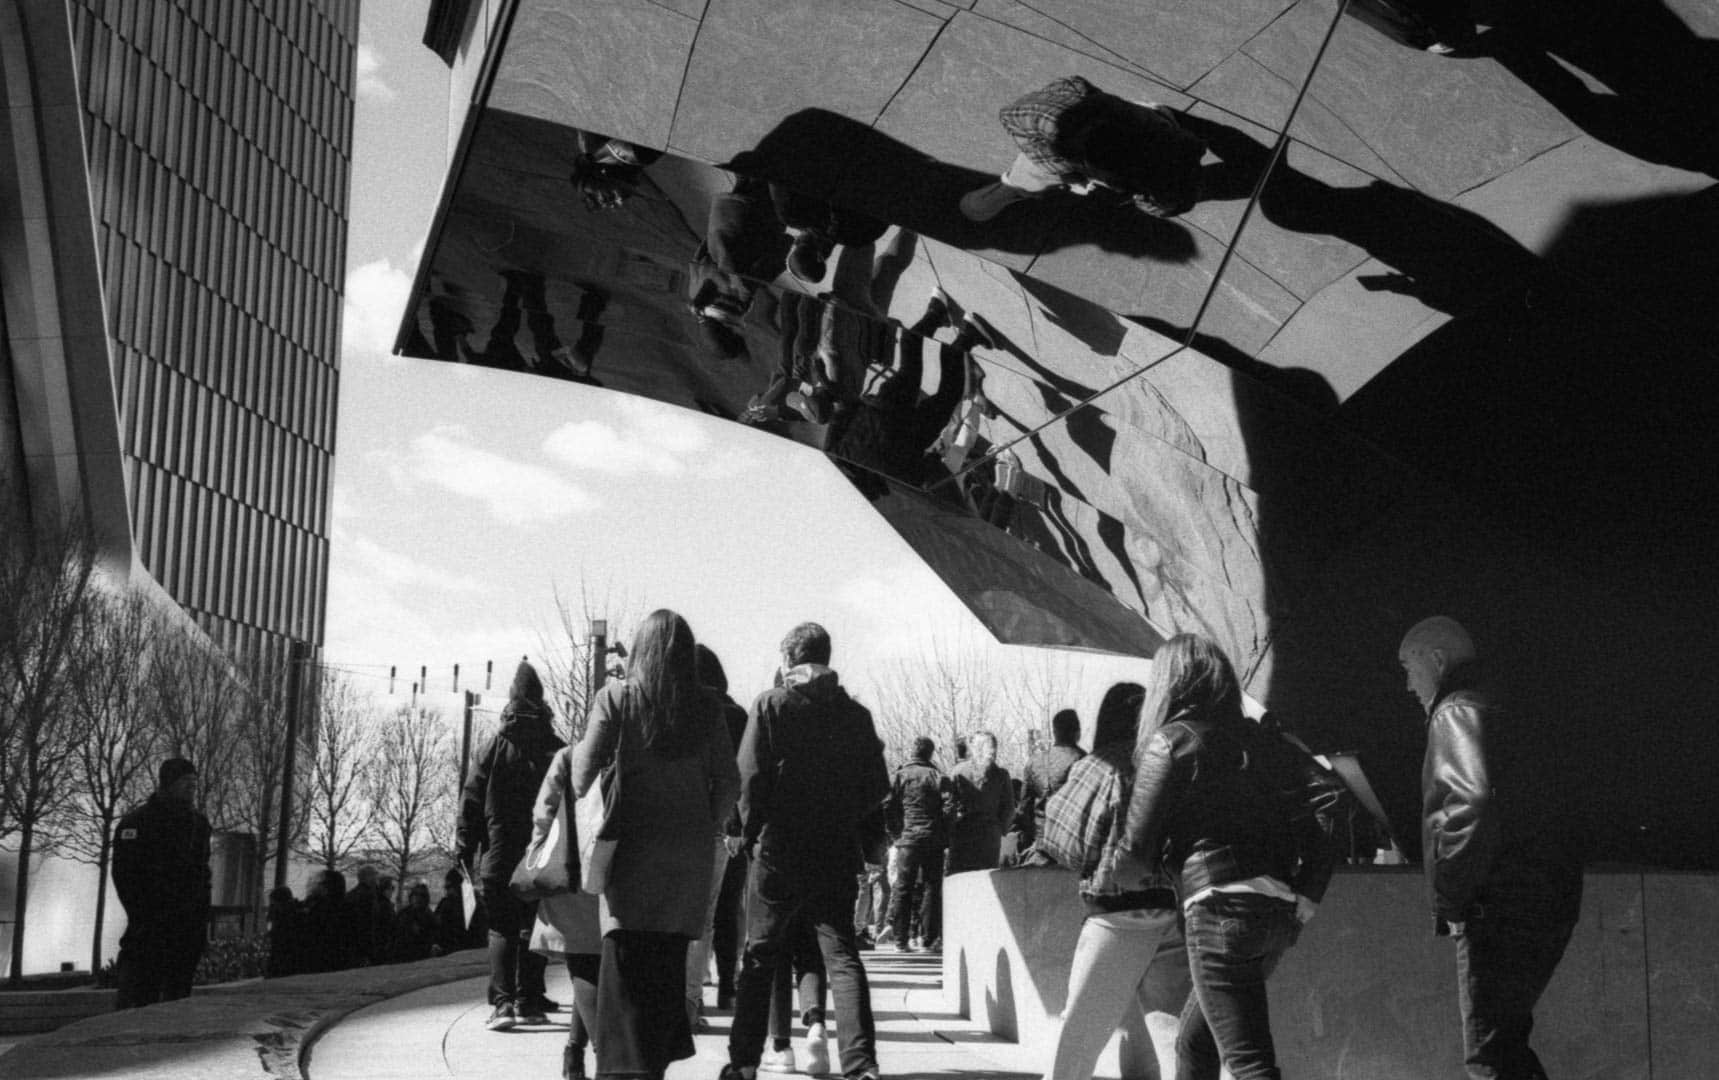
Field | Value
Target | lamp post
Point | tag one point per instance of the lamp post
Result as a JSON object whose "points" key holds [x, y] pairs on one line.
{"points": [[599, 636]]}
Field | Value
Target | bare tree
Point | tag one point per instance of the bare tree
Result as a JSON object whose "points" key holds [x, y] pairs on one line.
{"points": [[566, 653], [409, 785], [45, 588], [198, 694], [340, 747], [1031, 696], [261, 716], [947, 694], [111, 698]]}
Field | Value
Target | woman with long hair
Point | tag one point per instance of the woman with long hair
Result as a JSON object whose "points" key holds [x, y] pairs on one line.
{"points": [[1128, 961], [664, 734], [1242, 820]]}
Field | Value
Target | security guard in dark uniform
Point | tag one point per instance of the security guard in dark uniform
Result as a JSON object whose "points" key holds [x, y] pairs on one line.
{"points": [[161, 872]]}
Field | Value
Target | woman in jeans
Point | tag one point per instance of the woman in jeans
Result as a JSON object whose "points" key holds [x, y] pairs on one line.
{"points": [[1242, 819], [666, 735], [1128, 961]]}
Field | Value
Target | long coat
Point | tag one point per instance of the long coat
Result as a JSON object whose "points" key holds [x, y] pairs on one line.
{"points": [[670, 812]]}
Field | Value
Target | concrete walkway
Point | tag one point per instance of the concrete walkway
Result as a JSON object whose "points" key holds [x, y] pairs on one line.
{"points": [[427, 1020], [439, 1032]]}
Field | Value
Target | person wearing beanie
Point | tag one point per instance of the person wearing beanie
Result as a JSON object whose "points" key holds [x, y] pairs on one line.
{"points": [[493, 832], [161, 872]]}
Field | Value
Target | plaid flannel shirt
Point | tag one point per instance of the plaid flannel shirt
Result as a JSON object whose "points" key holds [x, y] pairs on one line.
{"points": [[1084, 824], [1035, 119]]}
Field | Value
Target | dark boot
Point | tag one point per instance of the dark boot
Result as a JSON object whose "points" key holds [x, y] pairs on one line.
{"points": [[572, 1062]]}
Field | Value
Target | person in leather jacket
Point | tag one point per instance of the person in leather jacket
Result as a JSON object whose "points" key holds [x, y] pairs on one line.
{"points": [[1242, 820], [1503, 861]]}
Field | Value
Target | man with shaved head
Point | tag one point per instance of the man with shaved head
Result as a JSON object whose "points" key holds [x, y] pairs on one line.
{"points": [[1503, 867]]}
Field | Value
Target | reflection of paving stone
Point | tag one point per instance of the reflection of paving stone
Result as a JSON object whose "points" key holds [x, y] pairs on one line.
{"points": [[759, 60], [562, 65], [1178, 41]]}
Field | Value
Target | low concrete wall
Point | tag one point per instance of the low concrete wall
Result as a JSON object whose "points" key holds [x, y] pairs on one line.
{"points": [[1369, 992]]}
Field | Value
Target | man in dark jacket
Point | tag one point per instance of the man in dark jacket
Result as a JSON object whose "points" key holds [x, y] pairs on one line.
{"points": [[1503, 867], [920, 805], [811, 768], [161, 872], [1047, 771], [495, 829]]}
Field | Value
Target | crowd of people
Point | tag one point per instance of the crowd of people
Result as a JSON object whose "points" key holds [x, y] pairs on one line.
{"points": [[334, 928], [1201, 839]]}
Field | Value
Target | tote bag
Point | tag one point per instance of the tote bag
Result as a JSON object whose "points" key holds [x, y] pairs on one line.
{"points": [[591, 818], [544, 871]]}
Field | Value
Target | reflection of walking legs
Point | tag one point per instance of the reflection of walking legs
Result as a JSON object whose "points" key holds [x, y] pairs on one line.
{"points": [[1025, 179]]}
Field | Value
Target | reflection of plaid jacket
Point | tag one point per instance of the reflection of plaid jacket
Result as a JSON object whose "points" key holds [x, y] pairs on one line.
{"points": [[1036, 122], [1083, 825]]}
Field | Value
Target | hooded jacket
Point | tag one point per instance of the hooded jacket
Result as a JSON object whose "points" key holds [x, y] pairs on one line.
{"points": [[811, 769], [495, 808]]}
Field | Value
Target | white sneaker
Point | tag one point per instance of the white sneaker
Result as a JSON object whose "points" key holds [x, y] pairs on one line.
{"points": [[779, 1061], [817, 1051]]}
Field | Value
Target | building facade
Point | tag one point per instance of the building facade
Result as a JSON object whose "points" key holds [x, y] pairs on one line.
{"points": [[172, 241]]}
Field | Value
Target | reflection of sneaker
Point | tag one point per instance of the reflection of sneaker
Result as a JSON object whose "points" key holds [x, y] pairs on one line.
{"points": [[983, 204], [810, 406], [937, 308], [777, 1061], [501, 1017], [976, 331], [817, 1051]]}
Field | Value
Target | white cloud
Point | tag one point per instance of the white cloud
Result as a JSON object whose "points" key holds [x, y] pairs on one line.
{"points": [[517, 493], [390, 567], [370, 82], [649, 438], [376, 296]]}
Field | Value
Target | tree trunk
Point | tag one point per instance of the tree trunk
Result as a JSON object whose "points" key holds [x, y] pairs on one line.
{"points": [[21, 902], [102, 858]]}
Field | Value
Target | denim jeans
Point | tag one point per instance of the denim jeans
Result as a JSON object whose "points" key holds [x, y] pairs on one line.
{"points": [[1234, 943], [1503, 964], [1126, 964], [825, 899], [515, 972]]}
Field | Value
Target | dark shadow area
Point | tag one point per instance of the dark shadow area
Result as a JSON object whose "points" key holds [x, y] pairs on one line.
{"points": [[1557, 495], [1657, 77], [1444, 256], [833, 157], [1001, 1003]]}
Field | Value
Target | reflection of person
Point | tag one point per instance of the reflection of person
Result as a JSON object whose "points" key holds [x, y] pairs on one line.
{"points": [[1074, 136], [161, 872], [1244, 820], [606, 171], [1505, 880], [1129, 960], [984, 806], [523, 298], [890, 429], [665, 734], [495, 821], [920, 799], [812, 768], [817, 227]]}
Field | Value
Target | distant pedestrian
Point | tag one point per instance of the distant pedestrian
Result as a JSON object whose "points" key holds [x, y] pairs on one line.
{"points": [[984, 806], [920, 804], [1075, 137], [494, 831], [1047, 771], [161, 872], [416, 936], [1502, 855], [456, 931]]}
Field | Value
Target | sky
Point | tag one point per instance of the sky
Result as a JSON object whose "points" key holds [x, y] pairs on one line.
{"points": [[465, 498]]}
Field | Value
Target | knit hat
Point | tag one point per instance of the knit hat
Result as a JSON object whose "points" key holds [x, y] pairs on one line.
{"points": [[171, 770]]}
